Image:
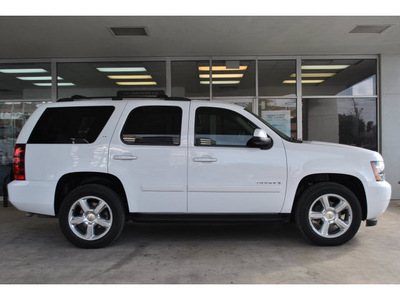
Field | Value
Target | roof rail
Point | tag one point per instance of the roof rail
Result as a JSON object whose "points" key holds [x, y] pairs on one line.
{"points": [[79, 97], [158, 94]]}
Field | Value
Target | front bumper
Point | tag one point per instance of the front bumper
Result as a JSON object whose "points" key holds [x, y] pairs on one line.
{"points": [[378, 198]]}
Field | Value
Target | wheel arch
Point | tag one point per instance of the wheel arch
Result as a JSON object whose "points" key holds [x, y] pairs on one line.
{"points": [[352, 183], [70, 181]]}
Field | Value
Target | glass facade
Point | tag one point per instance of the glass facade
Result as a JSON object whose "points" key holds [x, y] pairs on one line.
{"points": [[337, 100], [105, 79], [23, 86], [232, 78], [272, 75], [187, 79], [340, 101], [339, 77], [350, 121]]}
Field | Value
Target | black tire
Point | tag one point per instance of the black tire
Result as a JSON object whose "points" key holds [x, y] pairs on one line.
{"points": [[92, 216], [328, 214]]}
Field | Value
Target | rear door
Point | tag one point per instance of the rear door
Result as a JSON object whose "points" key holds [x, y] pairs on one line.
{"points": [[148, 154]]}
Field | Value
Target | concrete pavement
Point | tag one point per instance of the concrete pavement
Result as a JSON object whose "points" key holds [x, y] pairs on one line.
{"points": [[33, 250]]}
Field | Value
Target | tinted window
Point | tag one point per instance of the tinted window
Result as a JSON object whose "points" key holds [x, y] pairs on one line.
{"points": [[70, 125], [222, 127], [153, 125]]}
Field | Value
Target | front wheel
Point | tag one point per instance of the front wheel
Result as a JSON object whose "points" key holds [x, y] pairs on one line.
{"points": [[328, 214], [92, 216]]}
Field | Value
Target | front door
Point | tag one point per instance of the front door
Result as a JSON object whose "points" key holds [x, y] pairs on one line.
{"points": [[225, 174]]}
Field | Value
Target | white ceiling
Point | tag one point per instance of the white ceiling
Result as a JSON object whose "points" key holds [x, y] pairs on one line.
{"points": [[81, 37]]}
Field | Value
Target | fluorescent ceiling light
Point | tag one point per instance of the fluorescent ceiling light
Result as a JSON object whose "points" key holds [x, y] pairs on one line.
{"points": [[38, 78], [136, 83], [221, 82], [221, 75], [222, 68], [15, 71], [314, 75], [49, 84], [304, 81], [123, 69], [130, 77], [324, 67]]}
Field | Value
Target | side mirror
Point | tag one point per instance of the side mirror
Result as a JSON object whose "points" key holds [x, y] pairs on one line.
{"points": [[261, 139]]}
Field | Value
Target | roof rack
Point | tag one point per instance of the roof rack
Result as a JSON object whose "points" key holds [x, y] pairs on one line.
{"points": [[121, 95]]}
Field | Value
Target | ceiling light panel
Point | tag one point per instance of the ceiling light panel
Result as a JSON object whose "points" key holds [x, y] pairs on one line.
{"points": [[314, 75], [221, 82], [122, 69], [221, 75], [39, 78], [22, 71], [58, 84], [304, 81], [136, 83], [222, 68], [130, 77], [324, 67]]}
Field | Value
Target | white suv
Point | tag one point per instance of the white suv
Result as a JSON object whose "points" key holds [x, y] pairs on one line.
{"points": [[96, 163]]}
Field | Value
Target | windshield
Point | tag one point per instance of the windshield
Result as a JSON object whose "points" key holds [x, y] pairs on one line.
{"points": [[278, 132]]}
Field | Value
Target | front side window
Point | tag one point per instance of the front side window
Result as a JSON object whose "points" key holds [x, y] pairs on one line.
{"points": [[153, 125], [222, 127]]}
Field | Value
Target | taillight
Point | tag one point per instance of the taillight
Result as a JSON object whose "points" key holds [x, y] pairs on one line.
{"points": [[19, 162]]}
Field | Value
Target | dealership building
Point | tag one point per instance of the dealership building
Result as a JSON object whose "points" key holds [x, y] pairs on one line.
{"points": [[331, 79]]}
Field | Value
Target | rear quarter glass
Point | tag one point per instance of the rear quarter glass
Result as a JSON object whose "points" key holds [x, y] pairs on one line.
{"points": [[68, 125]]}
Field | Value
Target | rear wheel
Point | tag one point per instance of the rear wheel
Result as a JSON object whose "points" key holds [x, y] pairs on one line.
{"points": [[328, 214], [92, 216]]}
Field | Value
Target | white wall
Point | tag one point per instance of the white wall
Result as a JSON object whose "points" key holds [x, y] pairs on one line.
{"points": [[390, 118]]}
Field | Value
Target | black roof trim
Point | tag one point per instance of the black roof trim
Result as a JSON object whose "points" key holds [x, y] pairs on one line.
{"points": [[121, 95]]}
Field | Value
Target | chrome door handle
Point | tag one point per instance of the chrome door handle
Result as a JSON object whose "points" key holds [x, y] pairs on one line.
{"points": [[125, 157], [204, 159]]}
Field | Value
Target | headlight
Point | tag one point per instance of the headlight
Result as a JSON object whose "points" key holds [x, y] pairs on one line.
{"points": [[378, 167]]}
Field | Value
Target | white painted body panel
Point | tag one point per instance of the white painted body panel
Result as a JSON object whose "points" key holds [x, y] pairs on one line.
{"points": [[171, 179], [156, 180], [310, 158]]}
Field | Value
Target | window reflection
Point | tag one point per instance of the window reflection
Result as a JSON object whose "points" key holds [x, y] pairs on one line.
{"points": [[271, 75], [350, 77], [187, 80], [232, 78], [25, 81], [105, 79], [350, 121], [281, 113]]}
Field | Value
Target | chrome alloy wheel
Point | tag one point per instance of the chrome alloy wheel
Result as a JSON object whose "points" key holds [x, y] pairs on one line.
{"points": [[90, 218], [330, 216]]}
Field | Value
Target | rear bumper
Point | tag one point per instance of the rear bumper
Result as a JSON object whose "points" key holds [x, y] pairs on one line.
{"points": [[33, 196]]}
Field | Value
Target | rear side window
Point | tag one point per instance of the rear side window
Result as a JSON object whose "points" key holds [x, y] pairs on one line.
{"points": [[153, 125], [70, 125]]}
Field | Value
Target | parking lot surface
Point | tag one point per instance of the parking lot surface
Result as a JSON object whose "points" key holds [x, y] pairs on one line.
{"points": [[33, 250]]}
